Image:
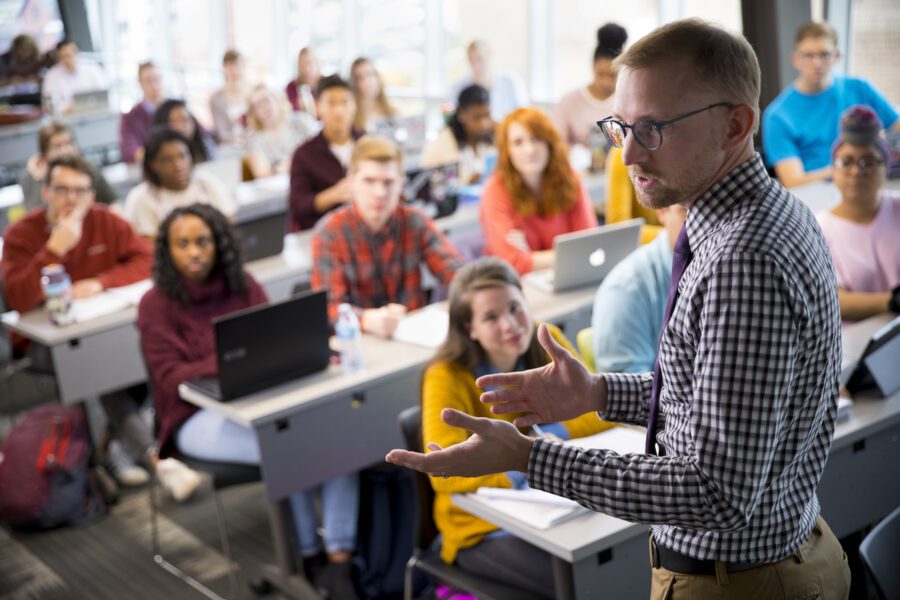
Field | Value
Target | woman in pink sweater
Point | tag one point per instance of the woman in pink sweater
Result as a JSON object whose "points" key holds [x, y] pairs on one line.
{"points": [[534, 195]]}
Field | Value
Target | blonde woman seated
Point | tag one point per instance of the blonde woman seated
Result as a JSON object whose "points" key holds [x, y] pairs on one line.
{"points": [[491, 331], [374, 112], [534, 196], [274, 132]]}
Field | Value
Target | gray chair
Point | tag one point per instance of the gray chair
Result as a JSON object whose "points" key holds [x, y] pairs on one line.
{"points": [[222, 475], [880, 552], [424, 533]]}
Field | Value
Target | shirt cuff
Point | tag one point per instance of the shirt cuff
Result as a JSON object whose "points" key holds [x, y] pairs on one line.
{"points": [[627, 397], [548, 466]]}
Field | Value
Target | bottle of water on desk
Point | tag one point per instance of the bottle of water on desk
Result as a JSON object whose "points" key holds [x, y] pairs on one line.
{"points": [[349, 336], [57, 287]]}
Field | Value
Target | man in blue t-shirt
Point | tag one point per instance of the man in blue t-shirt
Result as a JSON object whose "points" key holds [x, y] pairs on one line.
{"points": [[800, 125]]}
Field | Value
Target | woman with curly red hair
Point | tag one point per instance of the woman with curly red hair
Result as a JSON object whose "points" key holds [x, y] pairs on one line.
{"points": [[534, 194]]}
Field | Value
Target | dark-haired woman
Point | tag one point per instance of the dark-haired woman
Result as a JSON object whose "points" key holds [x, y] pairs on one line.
{"points": [[174, 114], [577, 112], [468, 137], [170, 181], [198, 275], [491, 331]]}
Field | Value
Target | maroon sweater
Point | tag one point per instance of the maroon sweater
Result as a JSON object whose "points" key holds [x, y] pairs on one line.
{"points": [[109, 250], [178, 344]]}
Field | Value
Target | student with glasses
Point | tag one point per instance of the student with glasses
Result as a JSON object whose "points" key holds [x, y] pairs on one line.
{"points": [[800, 125], [98, 250], [863, 231]]}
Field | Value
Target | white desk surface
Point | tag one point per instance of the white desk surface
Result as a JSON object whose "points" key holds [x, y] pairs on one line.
{"points": [[589, 534]]}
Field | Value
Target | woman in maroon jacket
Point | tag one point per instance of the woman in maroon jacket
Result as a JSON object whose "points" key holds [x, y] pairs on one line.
{"points": [[199, 274]]}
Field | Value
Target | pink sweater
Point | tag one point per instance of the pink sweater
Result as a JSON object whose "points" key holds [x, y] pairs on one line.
{"points": [[498, 217]]}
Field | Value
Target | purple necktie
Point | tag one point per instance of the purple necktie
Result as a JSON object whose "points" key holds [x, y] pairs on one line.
{"points": [[681, 258]]}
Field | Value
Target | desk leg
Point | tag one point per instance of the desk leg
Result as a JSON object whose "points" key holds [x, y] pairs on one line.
{"points": [[283, 574], [563, 579]]}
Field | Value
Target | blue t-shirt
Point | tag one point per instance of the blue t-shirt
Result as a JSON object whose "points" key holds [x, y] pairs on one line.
{"points": [[804, 126]]}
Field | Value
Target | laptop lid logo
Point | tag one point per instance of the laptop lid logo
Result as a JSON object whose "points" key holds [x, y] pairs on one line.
{"points": [[233, 355], [597, 257]]}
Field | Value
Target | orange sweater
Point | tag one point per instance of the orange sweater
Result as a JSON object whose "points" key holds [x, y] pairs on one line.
{"points": [[498, 216], [450, 385]]}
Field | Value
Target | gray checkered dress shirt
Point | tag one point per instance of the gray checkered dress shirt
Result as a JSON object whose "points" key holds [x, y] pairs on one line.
{"points": [[750, 363]]}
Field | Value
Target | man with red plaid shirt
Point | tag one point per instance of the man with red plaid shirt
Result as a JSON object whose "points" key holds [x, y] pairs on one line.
{"points": [[368, 253]]}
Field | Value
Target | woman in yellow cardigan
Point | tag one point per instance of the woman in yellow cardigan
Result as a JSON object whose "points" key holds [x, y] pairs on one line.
{"points": [[490, 331]]}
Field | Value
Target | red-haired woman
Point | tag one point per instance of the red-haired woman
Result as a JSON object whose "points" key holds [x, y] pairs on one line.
{"points": [[534, 194]]}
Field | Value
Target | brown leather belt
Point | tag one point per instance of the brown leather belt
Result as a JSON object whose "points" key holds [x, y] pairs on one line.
{"points": [[660, 556]]}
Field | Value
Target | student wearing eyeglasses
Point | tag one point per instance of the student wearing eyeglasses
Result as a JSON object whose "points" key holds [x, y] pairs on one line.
{"points": [[800, 125], [862, 231]]}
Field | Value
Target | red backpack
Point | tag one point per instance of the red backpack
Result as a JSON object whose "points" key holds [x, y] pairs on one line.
{"points": [[45, 478]]}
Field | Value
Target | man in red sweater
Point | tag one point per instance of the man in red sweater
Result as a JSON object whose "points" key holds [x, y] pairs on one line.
{"points": [[98, 250]]}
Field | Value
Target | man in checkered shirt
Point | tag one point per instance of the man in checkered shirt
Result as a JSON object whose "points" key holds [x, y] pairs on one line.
{"points": [[748, 362]]}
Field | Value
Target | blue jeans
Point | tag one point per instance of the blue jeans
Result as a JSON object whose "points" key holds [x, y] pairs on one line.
{"points": [[209, 436]]}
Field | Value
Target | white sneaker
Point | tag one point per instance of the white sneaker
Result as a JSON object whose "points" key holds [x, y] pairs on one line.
{"points": [[123, 467], [179, 480]]}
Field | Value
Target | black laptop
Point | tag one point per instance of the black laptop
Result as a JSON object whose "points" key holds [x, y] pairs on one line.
{"points": [[262, 237], [267, 345], [435, 190]]}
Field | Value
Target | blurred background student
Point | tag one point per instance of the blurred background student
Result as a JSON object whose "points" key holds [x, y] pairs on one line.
{"points": [[468, 137]]}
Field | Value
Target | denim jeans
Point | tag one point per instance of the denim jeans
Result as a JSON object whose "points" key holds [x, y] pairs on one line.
{"points": [[209, 436]]}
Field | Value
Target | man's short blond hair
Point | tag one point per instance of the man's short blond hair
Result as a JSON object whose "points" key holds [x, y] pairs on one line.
{"points": [[377, 148], [722, 61], [816, 29]]}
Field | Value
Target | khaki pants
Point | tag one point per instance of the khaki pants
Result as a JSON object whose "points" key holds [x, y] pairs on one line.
{"points": [[817, 569]]}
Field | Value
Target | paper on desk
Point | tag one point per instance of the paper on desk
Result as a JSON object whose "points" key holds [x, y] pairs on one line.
{"points": [[109, 301], [424, 327], [621, 440], [102, 304], [522, 506]]}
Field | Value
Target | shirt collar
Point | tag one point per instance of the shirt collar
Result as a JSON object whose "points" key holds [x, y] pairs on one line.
{"points": [[719, 200]]}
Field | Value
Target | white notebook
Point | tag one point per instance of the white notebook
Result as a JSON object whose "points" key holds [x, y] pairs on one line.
{"points": [[424, 327], [110, 301], [533, 507]]}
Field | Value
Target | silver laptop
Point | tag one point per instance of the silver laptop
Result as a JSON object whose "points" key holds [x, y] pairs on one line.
{"points": [[585, 257]]}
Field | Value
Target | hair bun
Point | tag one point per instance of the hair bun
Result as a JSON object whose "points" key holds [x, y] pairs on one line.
{"points": [[612, 37]]}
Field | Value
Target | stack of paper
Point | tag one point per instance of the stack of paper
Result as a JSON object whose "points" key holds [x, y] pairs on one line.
{"points": [[424, 327], [533, 507], [621, 440], [109, 301]]}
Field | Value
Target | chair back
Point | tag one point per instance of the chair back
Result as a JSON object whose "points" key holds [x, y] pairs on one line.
{"points": [[585, 342], [879, 552], [424, 529]]}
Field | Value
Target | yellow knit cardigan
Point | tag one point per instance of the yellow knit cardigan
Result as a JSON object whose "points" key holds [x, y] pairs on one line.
{"points": [[450, 385]]}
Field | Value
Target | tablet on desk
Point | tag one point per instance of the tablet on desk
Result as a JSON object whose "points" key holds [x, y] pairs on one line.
{"points": [[877, 367]]}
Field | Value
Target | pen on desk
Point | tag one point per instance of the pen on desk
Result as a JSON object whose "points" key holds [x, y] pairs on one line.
{"points": [[540, 432]]}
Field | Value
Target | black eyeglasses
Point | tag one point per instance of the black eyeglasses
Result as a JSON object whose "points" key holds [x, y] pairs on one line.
{"points": [[647, 133], [864, 162]]}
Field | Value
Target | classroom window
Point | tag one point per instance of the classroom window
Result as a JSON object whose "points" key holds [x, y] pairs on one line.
{"points": [[874, 43]]}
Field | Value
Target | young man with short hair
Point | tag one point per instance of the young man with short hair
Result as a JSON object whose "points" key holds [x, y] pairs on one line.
{"points": [[800, 125], [71, 75], [136, 124], [369, 253], [319, 181]]}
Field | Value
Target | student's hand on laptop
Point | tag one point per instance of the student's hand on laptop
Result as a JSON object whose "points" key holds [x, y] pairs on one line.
{"points": [[383, 321], [559, 391], [516, 239], [85, 288]]}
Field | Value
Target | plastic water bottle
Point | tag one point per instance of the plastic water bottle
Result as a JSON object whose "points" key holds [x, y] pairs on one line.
{"points": [[349, 336], [57, 288]]}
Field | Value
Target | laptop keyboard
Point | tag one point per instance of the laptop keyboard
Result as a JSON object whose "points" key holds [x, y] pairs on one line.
{"points": [[207, 385]]}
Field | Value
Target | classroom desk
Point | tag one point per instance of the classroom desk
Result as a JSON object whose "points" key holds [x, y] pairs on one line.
{"points": [[598, 554], [297, 420]]}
